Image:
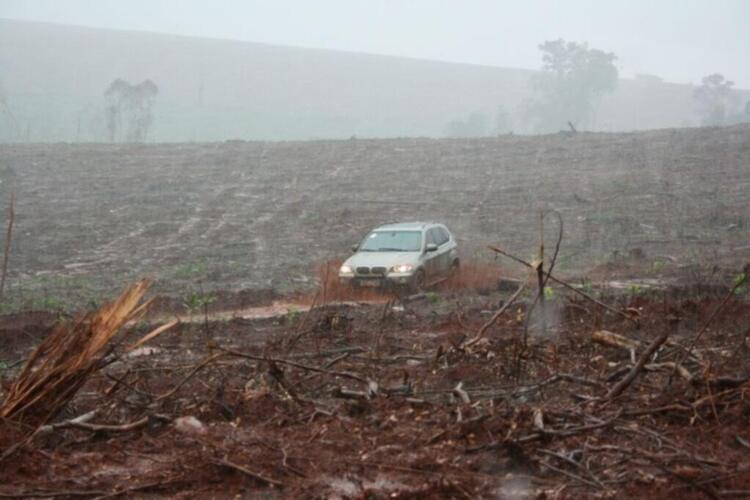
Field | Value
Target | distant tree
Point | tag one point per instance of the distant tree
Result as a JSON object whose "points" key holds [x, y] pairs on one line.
{"points": [[715, 99], [573, 80], [115, 96], [131, 104]]}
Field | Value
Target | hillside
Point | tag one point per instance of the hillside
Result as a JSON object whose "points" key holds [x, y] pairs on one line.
{"points": [[262, 215], [55, 76]]}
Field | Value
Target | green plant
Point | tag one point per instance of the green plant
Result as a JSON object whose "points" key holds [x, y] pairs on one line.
{"points": [[190, 270], [587, 286], [47, 304], [658, 265], [740, 284], [292, 316], [634, 290], [195, 301], [432, 297], [549, 293]]}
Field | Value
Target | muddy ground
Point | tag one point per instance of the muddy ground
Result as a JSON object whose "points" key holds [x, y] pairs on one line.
{"points": [[279, 383], [363, 397], [261, 215]]}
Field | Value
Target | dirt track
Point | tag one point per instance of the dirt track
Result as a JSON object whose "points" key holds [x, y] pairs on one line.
{"points": [[259, 216]]}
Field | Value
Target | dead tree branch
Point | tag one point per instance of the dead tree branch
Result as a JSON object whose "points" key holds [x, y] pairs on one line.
{"points": [[623, 384], [566, 285], [8, 238]]}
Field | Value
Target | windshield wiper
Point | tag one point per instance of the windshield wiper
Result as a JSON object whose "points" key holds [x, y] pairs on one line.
{"points": [[391, 250]]}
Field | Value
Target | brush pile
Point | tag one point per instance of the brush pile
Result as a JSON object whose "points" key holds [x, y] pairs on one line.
{"points": [[441, 396], [63, 362]]}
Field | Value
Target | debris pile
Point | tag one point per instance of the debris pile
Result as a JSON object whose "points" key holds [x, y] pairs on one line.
{"points": [[456, 395]]}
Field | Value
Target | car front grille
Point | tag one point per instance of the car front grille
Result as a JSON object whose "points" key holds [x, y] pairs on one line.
{"points": [[363, 270], [378, 270]]}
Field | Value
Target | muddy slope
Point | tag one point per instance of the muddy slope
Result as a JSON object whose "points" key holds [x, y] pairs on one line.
{"points": [[253, 215]]}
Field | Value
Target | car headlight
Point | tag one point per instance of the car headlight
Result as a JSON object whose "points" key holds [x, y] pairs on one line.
{"points": [[402, 268], [346, 269]]}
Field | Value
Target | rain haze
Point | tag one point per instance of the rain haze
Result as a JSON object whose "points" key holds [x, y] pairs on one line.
{"points": [[374, 249], [395, 68]]}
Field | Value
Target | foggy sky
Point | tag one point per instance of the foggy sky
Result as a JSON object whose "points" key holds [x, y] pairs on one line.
{"points": [[678, 40]]}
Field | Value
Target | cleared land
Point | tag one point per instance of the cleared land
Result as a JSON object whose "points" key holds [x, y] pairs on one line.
{"points": [[396, 401], [379, 398], [251, 215]]}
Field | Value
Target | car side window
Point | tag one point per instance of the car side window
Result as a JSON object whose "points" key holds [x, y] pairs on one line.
{"points": [[431, 237], [444, 236]]}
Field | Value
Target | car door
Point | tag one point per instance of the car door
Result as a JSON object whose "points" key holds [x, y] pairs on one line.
{"points": [[431, 259], [444, 250]]}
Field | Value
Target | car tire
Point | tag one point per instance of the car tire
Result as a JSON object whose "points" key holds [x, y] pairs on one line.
{"points": [[455, 267], [417, 283]]}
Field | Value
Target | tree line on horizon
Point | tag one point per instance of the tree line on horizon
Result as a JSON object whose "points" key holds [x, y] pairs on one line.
{"points": [[569, 88], [566, 94]]}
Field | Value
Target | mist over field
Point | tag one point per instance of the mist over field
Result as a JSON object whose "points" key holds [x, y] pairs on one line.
{"points": [[54, 80]]}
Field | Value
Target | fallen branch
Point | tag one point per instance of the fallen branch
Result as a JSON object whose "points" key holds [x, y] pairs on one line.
{"points": [[158, 331], [566, 285], [611, 339], [8, 237], [623, 384], [248, 472], [494, 318], [45, 429], [547, 433], [62, 363], [348, 375], [325, 354], [84, 425], [190, 375], [729, 295]]}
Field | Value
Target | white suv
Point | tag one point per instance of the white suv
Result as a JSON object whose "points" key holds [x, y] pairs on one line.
{"points": [[408, 254]]}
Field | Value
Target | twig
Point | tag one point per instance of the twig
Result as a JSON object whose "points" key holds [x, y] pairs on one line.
{"points": [[248, 472], [566, 285], [9, 235], [53, 494], [545, 434], [575, 464], [623, 384], [710, 319], [570, 474], [83, 425], [542, 277], [494, 318], [325, 354], [348, 375], [189, 376], [81, 419]]}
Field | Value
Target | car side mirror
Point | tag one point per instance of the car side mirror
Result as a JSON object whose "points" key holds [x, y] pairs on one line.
{"points": [[355, 247], [431, 247]]}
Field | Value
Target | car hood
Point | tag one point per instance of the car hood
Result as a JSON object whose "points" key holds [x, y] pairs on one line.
{"points": [[382, 259]]}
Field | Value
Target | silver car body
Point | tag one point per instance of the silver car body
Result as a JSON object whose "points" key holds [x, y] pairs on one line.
{"points": [[422, 253]]}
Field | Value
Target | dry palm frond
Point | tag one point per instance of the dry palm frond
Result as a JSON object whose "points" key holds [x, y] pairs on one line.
{"points": [[61, 364]]}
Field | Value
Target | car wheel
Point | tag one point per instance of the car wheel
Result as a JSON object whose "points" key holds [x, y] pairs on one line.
{"points": [[455, 267], [417, 284]]}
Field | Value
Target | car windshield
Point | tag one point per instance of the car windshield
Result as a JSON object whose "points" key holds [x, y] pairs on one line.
{"points": [[392, 241]]}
